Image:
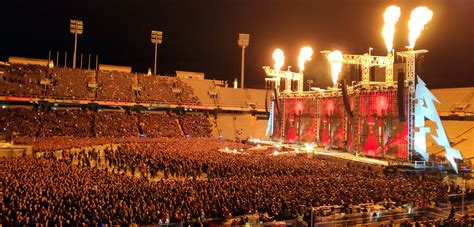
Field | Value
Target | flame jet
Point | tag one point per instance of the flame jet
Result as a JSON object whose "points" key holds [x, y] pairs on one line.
{"points": [[419, 17], [305, 55], [335, 59], [279, 59], [390, 17]]}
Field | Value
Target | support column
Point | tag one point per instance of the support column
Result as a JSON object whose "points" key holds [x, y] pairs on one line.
{"points": [[288, 84], [300, 83], [366, 69], [389, 69]]}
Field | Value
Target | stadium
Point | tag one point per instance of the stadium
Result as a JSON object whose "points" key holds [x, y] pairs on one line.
{"points": [[88, 143]]}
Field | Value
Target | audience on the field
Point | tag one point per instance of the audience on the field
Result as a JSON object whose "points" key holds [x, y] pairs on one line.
{"points": [[192, 180]]}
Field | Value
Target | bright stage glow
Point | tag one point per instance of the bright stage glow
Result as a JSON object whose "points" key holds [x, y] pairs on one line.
{"points": [[279, 58], [297, 150], [275, 153], [335, 59], [419, 17], [308, 147], [390, 17], [305, 55]]}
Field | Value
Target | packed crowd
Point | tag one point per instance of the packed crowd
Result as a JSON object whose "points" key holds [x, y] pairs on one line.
{"points": [[45, 144], [198, 182], [195, 125], [186, 95], [71, 84], [20, 122], [115, 86], [27, 122], [160, 125], [165, 90], [155, 88], [115, 124], [74, 122], [22, 80], [25, 81]]}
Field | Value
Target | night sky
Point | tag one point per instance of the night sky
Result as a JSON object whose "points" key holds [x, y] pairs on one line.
{"points": [[202, 35]]}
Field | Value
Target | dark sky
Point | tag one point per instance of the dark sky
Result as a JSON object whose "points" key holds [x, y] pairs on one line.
{"points": [[202, 35]]}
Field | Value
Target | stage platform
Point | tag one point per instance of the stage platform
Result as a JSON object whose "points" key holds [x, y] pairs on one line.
{"points": [[332, 153]]}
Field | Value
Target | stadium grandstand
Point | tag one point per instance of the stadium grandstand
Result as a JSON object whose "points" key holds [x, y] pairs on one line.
{"points": [[113, 131]]}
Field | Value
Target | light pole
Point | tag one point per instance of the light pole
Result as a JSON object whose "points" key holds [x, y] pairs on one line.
{"points": [[243, 42], [76, 28], [156, 38]]}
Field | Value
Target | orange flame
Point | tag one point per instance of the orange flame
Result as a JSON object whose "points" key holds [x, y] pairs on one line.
{"points": [[305, 55], [335, 59], [419, 17], [390, 17], [279, 59]]}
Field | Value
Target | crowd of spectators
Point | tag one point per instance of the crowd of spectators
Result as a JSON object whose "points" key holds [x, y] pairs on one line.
{"points": [[157, 89], [115, 86], [199, 182], [31, 123], [19, 122], [63, 83], [195, 124], [74, 122], [186, 95], [159, 125], [115, 124], [166, 90], [22, 80], [50, 144], [72, 84]]}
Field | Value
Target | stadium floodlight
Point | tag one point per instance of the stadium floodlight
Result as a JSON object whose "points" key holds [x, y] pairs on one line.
{"points": [[76, 27], [243, 42], [156, 38]]}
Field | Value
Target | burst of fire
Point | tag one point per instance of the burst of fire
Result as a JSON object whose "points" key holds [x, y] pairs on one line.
{"points": [[390, 17], [279, 59], [419, 17], [335, 59], [305, 55]]}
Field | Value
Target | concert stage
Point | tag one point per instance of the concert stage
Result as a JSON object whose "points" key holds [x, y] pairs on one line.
{"points": [[383, 121], [322, 151]]}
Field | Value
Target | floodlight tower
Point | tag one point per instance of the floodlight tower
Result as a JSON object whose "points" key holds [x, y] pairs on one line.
{"points": [[76, 27], [156, 38], [243, 42]]}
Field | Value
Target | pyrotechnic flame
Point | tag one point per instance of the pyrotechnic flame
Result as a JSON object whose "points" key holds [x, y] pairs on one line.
{"points": [[419, 17], [335, 59], [305, 55], [390, 17], [279, 59]]}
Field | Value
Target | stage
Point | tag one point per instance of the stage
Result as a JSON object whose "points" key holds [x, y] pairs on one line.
{"points": [[322, 151]]}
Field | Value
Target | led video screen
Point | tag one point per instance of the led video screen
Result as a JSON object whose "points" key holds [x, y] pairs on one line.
{"points": [[382, 133], [331, 122], [300, 120]]}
